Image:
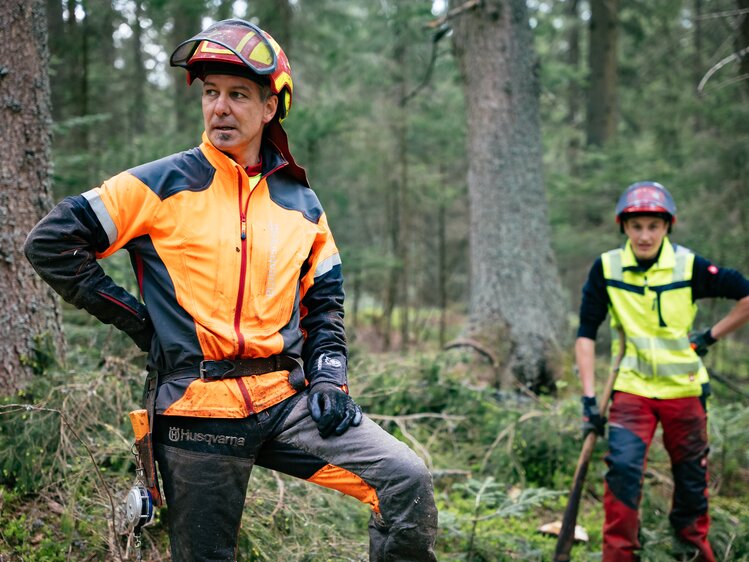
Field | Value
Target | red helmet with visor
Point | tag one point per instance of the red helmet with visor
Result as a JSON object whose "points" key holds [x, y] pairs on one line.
{"points": [[646, 198], [236, 46]]}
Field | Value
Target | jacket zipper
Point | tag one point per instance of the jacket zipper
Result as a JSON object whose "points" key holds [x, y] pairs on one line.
{"points": [[242, 274], [242, 268], [240, 292]]}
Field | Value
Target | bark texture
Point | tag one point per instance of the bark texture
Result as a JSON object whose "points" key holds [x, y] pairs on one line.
{"points": [[31, 324], [516, 304]]}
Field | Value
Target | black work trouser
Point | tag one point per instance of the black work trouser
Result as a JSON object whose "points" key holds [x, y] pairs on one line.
{"points": [[205, 465]]}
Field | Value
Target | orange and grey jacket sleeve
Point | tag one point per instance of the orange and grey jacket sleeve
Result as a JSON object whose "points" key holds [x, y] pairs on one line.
{"points": [[325, 350], [62, 248]]}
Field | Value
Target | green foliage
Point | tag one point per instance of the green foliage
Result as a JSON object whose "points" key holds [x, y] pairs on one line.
{"points": [[502, 465], [44, 354]]}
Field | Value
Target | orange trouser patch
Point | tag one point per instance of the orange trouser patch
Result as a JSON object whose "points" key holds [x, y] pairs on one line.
{"points": [[226, 399], [337, 478]]}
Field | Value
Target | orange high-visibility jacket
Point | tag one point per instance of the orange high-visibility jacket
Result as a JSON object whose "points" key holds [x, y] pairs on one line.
{"points": [[227, 268]]}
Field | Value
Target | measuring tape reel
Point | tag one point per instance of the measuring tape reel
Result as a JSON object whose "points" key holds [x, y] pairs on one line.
{"points": [[138, 508]]}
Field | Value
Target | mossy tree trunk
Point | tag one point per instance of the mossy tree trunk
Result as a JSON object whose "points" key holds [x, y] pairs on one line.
{"points": [[516, 304], [30, 333]]}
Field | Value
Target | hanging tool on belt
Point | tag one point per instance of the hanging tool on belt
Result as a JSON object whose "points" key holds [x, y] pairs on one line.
{"points": [[144, 496]]}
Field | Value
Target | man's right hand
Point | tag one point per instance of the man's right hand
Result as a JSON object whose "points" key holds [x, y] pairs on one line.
{"points": [[592, 418]]}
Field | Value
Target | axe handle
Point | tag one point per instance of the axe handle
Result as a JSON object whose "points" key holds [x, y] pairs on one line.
{"points": [[567, 532]]}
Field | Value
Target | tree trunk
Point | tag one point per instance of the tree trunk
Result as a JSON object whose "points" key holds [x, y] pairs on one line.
{"points": [[31, 334], [574, 89], [516, 304], [225, 10], [573, 60], [396, 198], [404, 212], [138, 91], [603, 112], [56, 34], [186, 24], [442, 257], [275, 17]]}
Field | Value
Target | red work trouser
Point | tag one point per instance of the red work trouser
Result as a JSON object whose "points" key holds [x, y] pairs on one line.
{"points": [[632, 423]]}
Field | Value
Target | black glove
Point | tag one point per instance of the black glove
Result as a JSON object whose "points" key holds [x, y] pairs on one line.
{"points": [[592, 419], [700, 341], [332, 409]]}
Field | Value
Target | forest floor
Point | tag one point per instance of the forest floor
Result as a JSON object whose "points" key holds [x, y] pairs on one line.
{"points": [[502, 464]]}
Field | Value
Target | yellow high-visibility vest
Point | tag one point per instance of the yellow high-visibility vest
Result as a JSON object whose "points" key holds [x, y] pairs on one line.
{"points": [[656, 312]]}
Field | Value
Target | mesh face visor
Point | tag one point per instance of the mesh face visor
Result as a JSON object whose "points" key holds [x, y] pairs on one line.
{"points": [[233, 41]]}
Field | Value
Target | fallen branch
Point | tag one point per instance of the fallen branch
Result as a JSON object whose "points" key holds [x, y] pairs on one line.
{"points": [[509, 430], [281, 490], [400, 422], [724, 379], [455, 12], [476, 346], [412, 417], [720, 64]]}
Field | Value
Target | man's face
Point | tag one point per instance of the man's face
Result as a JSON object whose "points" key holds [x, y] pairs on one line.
{"points": [[646, 235], [234, 115]]}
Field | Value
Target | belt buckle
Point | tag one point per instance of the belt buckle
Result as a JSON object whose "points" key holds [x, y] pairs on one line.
{"points": [[205, 375]]}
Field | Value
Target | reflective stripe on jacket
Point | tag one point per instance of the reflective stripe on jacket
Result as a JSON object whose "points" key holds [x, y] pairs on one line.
{"points": [[655, 309], [227, 268]]}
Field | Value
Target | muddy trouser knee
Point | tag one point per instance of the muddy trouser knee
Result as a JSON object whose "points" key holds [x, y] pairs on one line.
{"points": [[205, 465], [374, 467], [685, 437]]}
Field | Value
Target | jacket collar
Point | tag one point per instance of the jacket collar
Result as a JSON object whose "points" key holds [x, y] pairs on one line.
{"points": [[273, 159]]}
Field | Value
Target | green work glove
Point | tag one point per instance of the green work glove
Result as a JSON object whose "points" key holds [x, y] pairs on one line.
{"points": [[592, 418], [332, 409], [700, 341]]}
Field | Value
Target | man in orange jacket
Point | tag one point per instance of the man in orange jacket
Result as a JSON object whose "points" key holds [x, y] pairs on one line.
{"points": [[242, 313]]}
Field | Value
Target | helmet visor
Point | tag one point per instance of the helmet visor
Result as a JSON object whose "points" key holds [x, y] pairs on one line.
{"points": [[225, 40]]}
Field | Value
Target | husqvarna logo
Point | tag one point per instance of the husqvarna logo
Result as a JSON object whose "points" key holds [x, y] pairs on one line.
{"points": [[176, 435], [173, 434]]}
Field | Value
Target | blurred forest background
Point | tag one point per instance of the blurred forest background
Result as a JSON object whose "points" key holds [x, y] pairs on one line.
{"points": [[626, 91]]}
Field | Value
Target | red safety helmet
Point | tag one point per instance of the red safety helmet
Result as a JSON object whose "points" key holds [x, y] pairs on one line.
{"points": [[646, 198], [236, 46]]}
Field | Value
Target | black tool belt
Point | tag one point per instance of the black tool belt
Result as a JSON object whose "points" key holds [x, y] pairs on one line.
{"points": [[229, 369]]}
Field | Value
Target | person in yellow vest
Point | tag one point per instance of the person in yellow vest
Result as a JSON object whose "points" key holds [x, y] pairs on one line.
{"points": [[649, 288], [242, 312]]}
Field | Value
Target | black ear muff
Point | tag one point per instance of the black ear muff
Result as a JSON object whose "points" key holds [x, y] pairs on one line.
{"points": [[284, 101]]}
